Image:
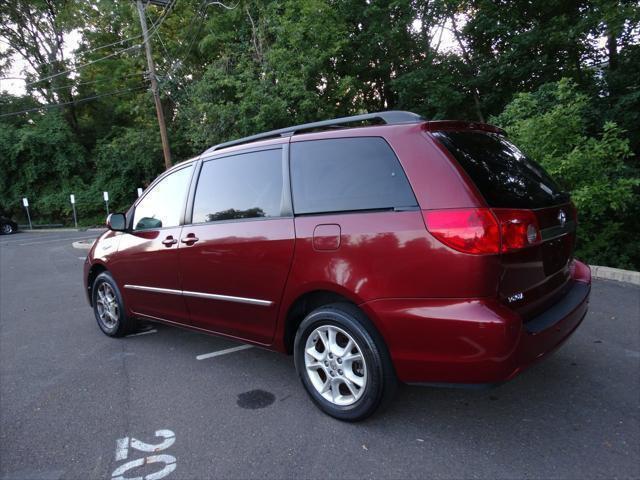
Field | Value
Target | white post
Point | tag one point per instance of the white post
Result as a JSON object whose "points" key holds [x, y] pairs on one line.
{"points": [[25, 203], [105, 195], [72, 197]]}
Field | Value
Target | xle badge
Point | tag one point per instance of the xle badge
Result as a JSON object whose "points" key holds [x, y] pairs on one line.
{"points": [[516, 297]]}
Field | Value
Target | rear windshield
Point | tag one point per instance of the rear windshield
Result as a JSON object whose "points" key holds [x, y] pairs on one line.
{"points": [[503, 174]]}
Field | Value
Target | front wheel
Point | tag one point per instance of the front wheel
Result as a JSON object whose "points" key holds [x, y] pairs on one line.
{"points": [[343, 362], [108, 307], [7, 229]]}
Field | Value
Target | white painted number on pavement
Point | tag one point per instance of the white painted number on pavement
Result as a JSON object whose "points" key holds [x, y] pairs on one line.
{"points": [[123, 445]]}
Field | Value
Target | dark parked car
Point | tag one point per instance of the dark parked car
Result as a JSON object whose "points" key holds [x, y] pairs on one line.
{"points": [[426, 252], [7, 226]]}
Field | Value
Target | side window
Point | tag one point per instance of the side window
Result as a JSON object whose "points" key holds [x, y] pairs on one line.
{"points": [[164, 203], [347, 174], [248, 185]]}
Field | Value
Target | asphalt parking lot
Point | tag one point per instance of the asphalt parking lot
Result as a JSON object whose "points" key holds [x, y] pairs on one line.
{"points": [[75, 404]]}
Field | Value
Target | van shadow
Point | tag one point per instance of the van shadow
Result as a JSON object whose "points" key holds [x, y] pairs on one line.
{"points": [[557, 392]]}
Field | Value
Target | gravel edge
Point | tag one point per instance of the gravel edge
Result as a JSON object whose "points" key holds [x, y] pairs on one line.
{"points": [[608, 273]]}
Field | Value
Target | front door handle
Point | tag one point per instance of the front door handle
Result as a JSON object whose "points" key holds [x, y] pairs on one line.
{"points": [[169, 241], [190, 239]]}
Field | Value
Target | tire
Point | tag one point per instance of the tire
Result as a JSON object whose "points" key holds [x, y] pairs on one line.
{"points": [[339, 383], [108, 307], [7, 229]]}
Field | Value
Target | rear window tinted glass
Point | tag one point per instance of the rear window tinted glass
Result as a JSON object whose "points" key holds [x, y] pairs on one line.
{"points": [[248, 185], [347, 174], [503, 174]]}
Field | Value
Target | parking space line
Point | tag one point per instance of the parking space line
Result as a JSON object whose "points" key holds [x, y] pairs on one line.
{"points": [[28, 238], [153, 330], [52, 241], [223, 352]]}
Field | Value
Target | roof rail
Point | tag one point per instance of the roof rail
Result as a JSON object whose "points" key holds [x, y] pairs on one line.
{"points": [[392, 117]]}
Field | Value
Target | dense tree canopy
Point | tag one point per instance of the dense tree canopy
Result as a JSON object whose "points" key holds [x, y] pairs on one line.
{"points": [[562, 77]]}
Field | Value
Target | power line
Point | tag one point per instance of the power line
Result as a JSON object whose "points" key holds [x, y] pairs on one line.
{"points": [[201, 10], [71, 85], [196, 30], [74, 102], [83, 65], [155, 27]]}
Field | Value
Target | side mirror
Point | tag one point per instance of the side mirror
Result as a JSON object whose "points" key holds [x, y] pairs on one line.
{"points": [[117, 222]]}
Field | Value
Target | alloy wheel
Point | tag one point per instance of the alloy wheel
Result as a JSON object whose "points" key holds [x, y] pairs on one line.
{"points": [[107, 305], [335, 365]]}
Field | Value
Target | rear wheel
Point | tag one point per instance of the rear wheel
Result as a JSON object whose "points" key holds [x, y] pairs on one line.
{"points": [[108, 307], [343, 363], [7, 229]]}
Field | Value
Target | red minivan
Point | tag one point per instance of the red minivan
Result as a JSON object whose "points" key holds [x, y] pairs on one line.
{"points": [[376, 248]]}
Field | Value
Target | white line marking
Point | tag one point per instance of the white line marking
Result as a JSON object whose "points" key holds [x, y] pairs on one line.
{"points": [[52, 241], [153, 330], [122, 448], [223, 352], [122, 453], [37, 238]]}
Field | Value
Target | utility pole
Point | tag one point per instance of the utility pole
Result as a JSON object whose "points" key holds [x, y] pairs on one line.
{"points": [[154, 86]]}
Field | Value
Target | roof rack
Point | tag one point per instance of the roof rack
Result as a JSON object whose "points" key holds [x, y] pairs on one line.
{"points": [[392, 117]]}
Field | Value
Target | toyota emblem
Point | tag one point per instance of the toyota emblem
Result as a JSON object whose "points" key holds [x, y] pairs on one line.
{"points": [[562, 218]]}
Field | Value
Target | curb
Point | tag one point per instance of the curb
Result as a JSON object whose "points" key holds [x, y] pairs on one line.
{"points": [[83, 244], [617, 274]]}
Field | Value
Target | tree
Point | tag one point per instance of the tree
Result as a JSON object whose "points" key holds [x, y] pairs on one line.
{"points": [[550, 125], [255, 66], [36, 31]]}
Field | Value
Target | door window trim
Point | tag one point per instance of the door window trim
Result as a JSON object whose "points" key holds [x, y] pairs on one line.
{"points": [[132, 211], [286, 205], [395, 209]]}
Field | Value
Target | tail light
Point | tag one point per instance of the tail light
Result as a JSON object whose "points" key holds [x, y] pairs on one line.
{"points": [[482, 231], [469, 230], [518, 228]]}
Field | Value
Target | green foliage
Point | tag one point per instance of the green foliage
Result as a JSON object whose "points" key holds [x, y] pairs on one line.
{"points": [[40, 161], [225, 73], [550, 125]]}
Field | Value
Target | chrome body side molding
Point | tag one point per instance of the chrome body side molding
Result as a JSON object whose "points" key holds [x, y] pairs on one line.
{"points": [[210, 296]]}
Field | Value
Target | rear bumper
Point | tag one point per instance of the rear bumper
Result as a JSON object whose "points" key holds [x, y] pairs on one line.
{"points": [[474, 341]]}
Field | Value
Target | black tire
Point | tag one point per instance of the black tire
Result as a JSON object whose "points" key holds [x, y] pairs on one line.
{"points": [[381, 382], [7, 229], [123, 324]]}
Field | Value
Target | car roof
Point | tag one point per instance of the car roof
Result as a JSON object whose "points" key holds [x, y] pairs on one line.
{"points": [[391, 120], [392, 117]]}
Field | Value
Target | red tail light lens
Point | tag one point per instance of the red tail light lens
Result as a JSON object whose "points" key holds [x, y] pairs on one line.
{"points": [[518, 228], [469, 230], [482, 231]]}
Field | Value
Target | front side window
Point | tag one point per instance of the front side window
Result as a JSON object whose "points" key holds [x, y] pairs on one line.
{"points": [[347, 174], [248, 185], [163, 206]]}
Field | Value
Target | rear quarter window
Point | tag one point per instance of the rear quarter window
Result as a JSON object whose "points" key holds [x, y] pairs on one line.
{"points": [[504, 175], [347, 174]]}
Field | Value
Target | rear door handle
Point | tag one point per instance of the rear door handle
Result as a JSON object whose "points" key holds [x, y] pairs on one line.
{"points": [[169, 241], [190, 239]]}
